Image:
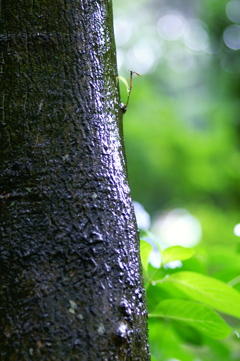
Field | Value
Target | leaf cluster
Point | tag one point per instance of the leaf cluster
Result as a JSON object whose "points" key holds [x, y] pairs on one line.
{"points": [[190, 308]]}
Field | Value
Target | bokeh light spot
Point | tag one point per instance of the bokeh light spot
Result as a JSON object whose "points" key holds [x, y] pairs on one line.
{"points": [[236, 230], [197, 38], [142, 56], [143, 218], [231, 37], [233, 11], [178, 227], [171, 26], [123, 30]]}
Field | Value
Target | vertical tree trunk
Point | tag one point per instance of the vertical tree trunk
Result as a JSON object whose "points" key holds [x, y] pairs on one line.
{"points": [[70, 282]]}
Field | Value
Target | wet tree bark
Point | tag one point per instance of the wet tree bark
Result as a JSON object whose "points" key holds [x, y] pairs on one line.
{"points": [[70, 282]]}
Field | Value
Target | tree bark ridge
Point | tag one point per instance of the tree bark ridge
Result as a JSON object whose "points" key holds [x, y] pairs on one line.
{"points": [[70, 285]]}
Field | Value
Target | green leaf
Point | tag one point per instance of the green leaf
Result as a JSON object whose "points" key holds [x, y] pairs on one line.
{"points": [[124, 81], [176, 253], [195, 315], [206, 290], [145, 251]]}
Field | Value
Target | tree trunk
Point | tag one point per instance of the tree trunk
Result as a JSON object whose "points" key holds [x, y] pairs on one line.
{"points": [[70, 278]]}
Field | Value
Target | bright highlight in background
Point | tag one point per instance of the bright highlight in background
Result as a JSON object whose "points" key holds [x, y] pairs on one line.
{"points": [[178, 227], [171, 26], [236, 230], [231, 37], [143, 218], [233, 11]]}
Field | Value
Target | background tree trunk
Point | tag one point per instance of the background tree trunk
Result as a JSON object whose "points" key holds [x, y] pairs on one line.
{"points": [[70, 280]]}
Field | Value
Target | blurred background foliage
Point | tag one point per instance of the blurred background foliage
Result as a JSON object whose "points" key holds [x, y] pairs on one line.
{"points": [[182, 132]]}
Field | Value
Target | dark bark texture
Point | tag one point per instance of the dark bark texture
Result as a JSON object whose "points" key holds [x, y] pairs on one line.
{"points": [[70, 278]]}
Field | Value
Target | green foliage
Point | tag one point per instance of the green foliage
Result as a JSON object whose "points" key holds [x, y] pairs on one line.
{"points": [[124, 81], [187, 303], [207, 289], [176, 253], [145, 250], [193, 314]]}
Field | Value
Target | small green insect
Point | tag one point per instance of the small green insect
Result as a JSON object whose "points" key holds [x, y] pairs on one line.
{"points": [[129, 88]]}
